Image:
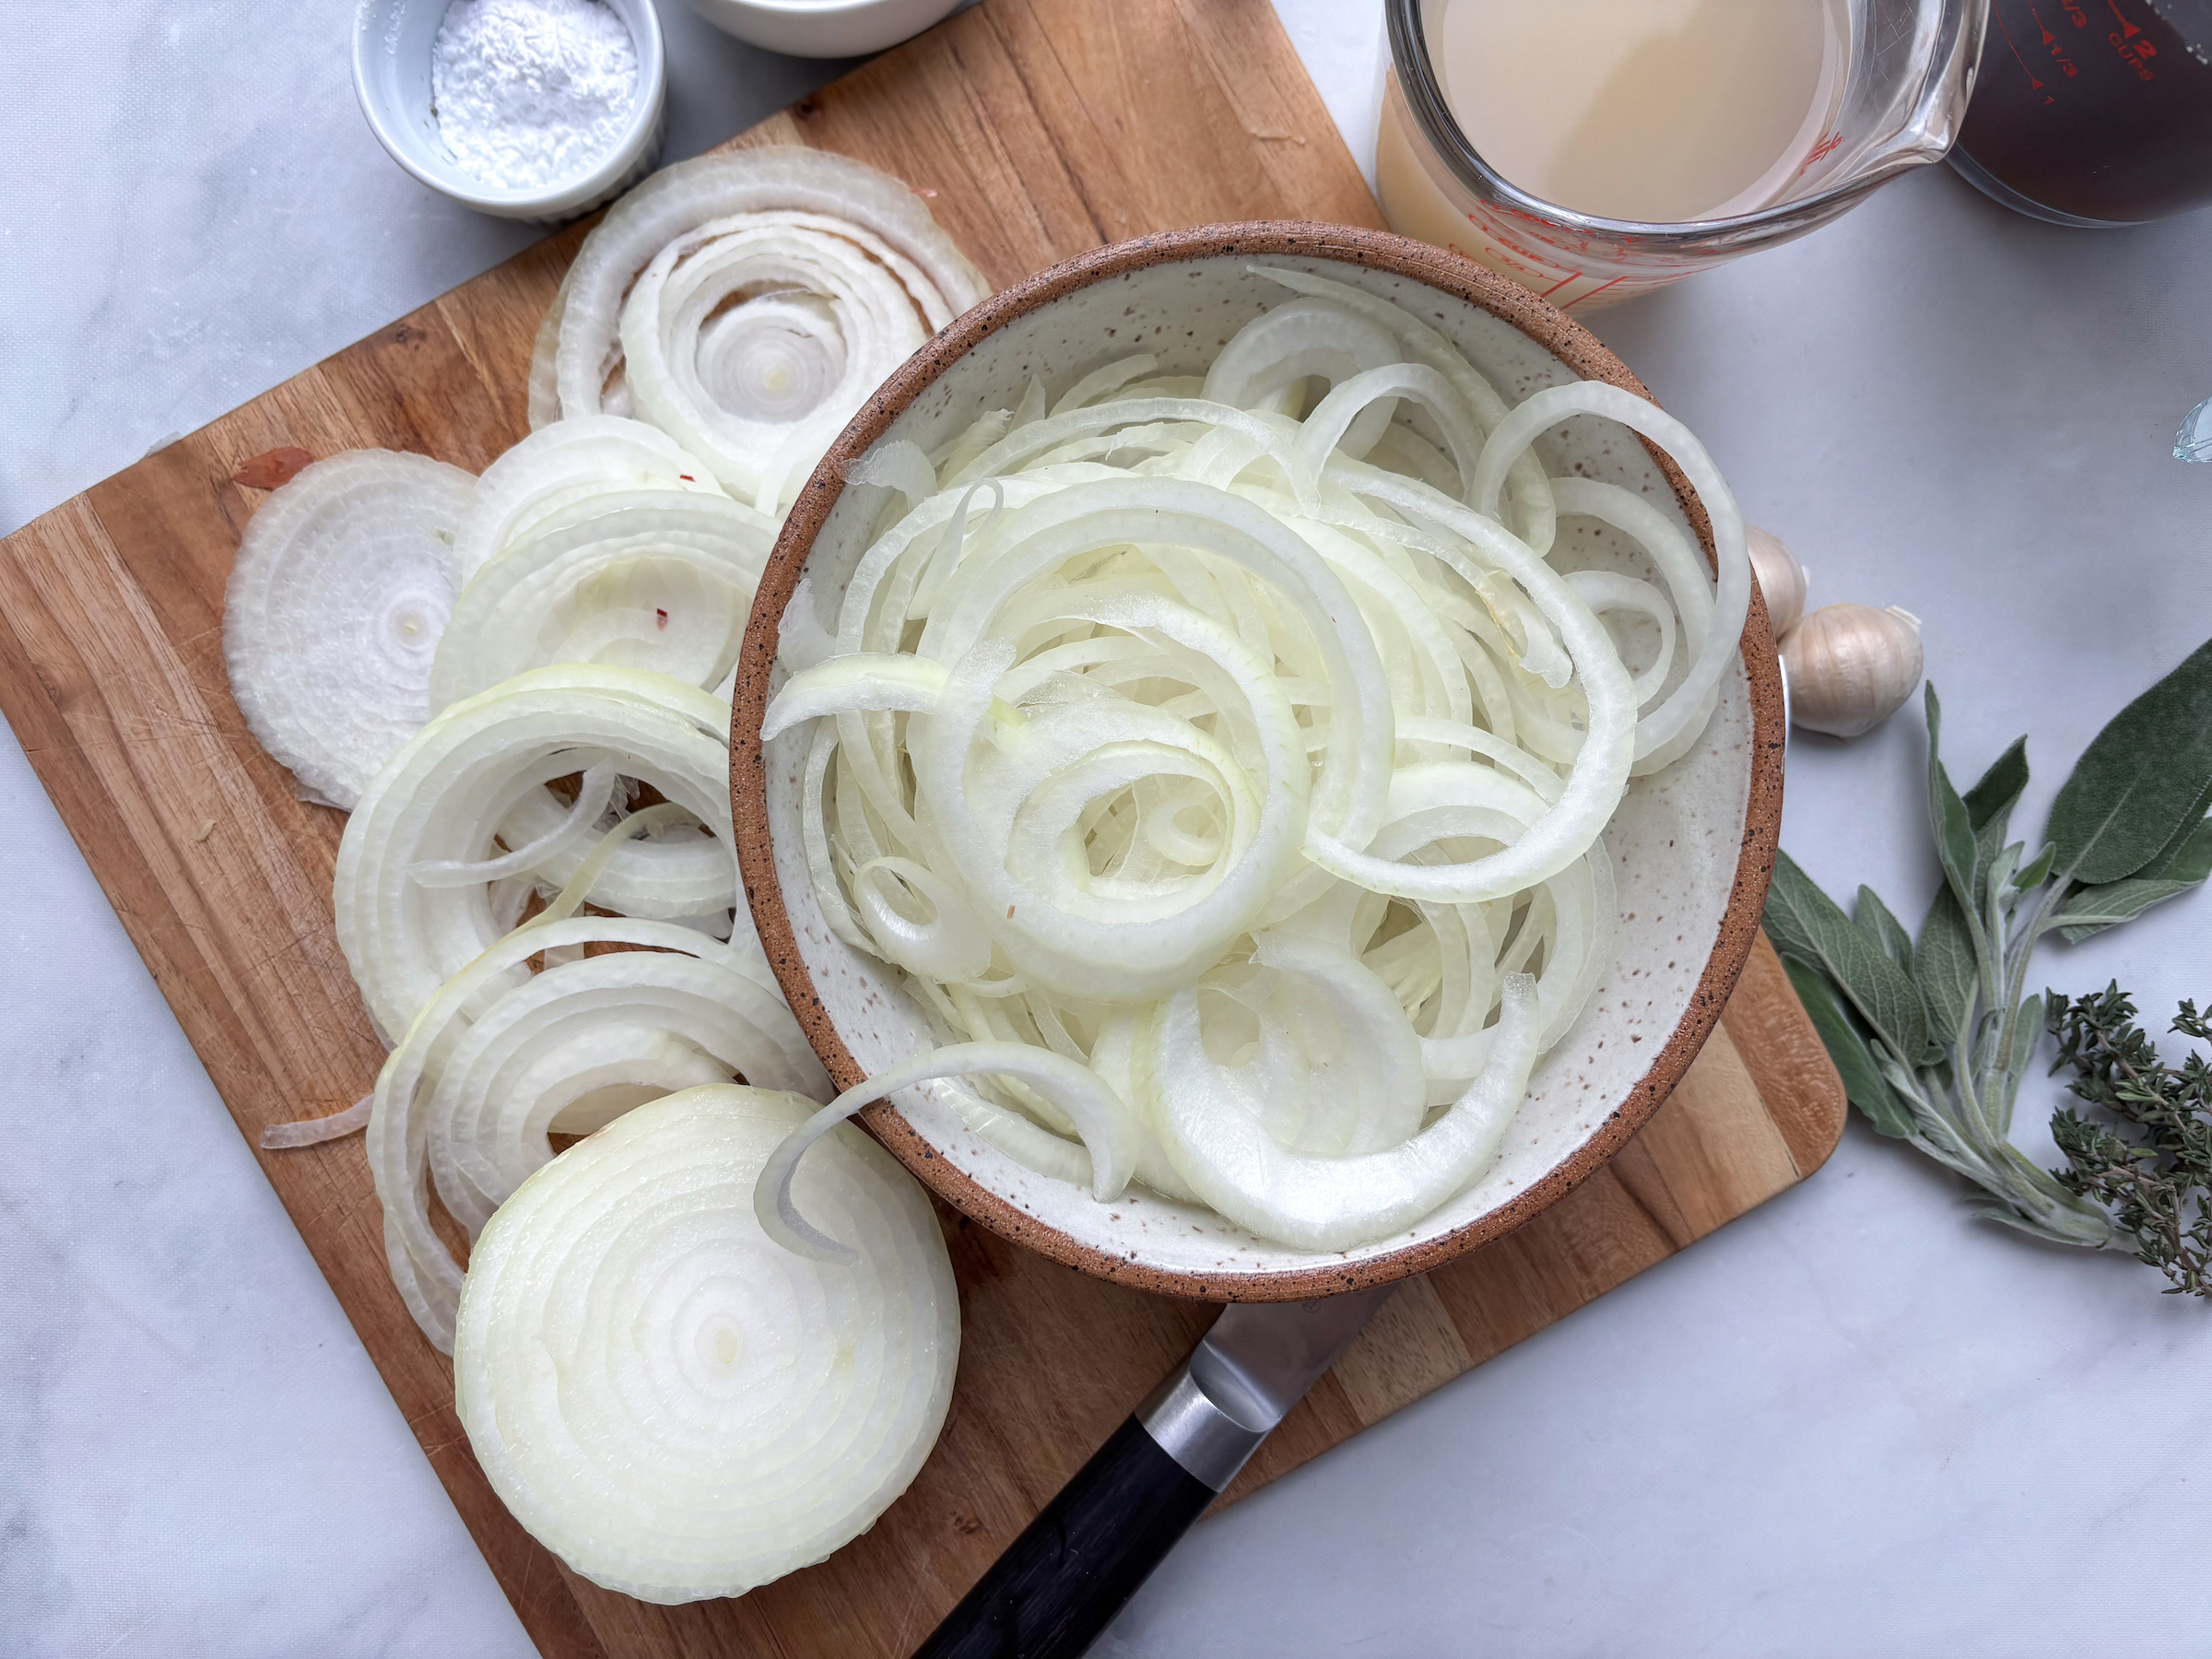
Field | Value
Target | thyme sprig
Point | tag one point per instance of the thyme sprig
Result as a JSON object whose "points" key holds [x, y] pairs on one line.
{"points": [[2151, 1167]]}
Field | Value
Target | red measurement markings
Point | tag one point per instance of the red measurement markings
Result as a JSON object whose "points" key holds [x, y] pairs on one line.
{"points": [[1593, 294], [2058, 53], [1492, 219], [2132, 52], [1500, 252], [1823, 150], [2033, 85], [2075, 11]]}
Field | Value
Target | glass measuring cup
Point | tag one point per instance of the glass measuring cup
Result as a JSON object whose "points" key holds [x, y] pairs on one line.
{"points": [[1909, 70], [2099, 116]]}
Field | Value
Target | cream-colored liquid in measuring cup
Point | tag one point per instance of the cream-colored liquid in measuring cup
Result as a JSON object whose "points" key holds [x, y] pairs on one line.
{"points": [[1649, 109]]}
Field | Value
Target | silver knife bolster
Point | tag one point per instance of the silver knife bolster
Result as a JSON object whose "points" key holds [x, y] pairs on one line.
{"points": [[1197, 1431], [1253, 1366]]}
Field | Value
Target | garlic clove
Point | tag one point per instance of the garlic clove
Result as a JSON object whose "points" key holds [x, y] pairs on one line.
{"points": [[1782, 580], [1851, 667]]}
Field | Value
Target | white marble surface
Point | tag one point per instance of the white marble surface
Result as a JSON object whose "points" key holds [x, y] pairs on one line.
{"points": [[1854, 1423]]}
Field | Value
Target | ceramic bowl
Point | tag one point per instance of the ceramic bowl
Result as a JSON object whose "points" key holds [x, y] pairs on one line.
{"points": [[1692, 845], [824, 29], [392, 41]]}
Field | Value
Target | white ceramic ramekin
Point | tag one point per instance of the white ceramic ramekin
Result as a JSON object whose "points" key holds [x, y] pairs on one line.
{"points": [[392, 40], [824, 29]]}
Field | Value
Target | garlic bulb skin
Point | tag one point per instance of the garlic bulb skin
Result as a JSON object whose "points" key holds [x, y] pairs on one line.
{"points": [[1851, 667], [1782, 580]]}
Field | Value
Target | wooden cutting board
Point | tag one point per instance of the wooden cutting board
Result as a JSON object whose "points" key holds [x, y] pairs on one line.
{"points": [[1040, 128]]}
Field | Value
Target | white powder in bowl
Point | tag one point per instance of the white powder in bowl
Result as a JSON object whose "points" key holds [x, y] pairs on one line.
{"points": [[529, 91]]}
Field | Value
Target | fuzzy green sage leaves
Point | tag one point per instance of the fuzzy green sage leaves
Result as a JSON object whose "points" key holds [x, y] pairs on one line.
{"points": [[1932, 1032]]}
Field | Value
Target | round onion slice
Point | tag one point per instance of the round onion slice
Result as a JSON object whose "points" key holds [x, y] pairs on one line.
{"points": [[763, 293], [565, 461], [675, 1404], [754, 340], [340, 590], [657, 578], [591, 1036]]}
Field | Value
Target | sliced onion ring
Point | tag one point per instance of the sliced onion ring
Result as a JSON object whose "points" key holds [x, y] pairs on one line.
{"points": [[336, 602], [1102, 1116], [716, 997], [764, 292], [464, 777]]}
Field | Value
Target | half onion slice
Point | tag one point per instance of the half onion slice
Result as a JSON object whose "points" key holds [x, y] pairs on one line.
{"points": [[643, 578], [566, 462], [340, 591], [479, 772], [675, 1404]]}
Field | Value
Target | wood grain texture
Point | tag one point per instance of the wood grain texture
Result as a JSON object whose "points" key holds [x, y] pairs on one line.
{"points": [[1043, 127]]}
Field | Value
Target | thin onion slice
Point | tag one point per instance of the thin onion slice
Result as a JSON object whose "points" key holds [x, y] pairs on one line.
{"points": [[753, 340], [314, 1131], [1103, 1119], [1322, 1203], [654, 578], [595, 794], [672, 1404], [340, 590], [566, 462], [479, 772], [748, 302], [439, 1111]]}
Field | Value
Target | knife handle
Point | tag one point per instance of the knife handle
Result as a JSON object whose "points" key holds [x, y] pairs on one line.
{"points": [[1060, 1584]]}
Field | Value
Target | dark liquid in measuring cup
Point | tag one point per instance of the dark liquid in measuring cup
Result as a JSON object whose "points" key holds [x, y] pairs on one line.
{"points": [[2093, 111]]}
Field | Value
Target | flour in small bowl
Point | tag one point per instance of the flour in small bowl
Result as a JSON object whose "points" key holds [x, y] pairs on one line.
{"points": [[527, 92]]}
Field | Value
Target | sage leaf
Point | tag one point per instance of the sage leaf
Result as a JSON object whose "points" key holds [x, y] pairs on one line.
{"points": [[1945, 968], [2027, 1031], [2131, 829], [1864, 1085], [2189, 858], [1991, 799], [2092, 909], [1878, 924], [1990, 802], [1806, 923], [2142, 780], [1953, 826]]}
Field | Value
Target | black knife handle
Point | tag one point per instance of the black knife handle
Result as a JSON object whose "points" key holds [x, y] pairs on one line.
{"points": [[1061, 1582]]}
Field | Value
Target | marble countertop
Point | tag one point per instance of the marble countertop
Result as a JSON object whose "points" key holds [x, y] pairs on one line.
{"points": [[1855, 1421]]}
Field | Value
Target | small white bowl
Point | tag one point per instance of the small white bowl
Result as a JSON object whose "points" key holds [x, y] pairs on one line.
{"points": [[824, 29], [392, 41]]}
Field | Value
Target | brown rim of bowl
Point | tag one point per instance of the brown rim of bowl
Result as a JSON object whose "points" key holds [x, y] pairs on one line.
{"points": [[1566, 339]]}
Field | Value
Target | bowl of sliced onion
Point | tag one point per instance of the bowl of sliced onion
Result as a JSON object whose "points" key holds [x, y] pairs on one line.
{"points": [[1256, 760]]}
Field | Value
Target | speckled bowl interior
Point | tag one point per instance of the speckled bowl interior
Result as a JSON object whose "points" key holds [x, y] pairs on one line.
{"points": [[1692, 845]]}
